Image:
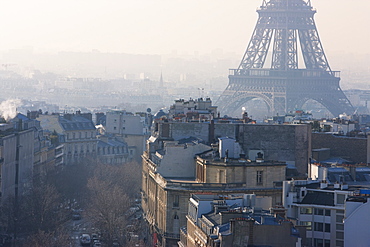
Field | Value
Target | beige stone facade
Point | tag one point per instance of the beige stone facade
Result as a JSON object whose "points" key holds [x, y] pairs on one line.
{"points": [[165, 200], [79, 135], [251, 174]]}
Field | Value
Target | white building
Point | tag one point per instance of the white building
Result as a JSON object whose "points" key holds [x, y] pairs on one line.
{"points": [[197, 109], [16, 160], [134, 129], [331, 216], [357, 220]]}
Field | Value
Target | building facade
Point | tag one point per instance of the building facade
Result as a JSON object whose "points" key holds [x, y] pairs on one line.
{"points": [[76, 132], [112, 151], [133, 129], [171, 173], [235, 220]]}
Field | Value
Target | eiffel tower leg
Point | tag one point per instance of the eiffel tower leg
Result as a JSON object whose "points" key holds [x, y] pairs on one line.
{"points": [[283, 86]]}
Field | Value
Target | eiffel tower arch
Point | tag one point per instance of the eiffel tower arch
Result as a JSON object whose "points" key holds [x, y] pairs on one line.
{"points": [[287, 25]]}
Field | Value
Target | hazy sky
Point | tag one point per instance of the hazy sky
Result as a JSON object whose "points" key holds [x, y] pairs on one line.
{"points": [[161, 26]]}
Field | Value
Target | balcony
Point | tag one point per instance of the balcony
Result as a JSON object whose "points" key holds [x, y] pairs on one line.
{"points": [[171, 235], [183, 237]]}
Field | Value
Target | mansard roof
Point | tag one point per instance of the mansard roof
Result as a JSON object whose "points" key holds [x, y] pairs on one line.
{"points": [[77, 123]]}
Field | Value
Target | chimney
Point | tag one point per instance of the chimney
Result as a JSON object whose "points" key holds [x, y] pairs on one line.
{"points": [[259, 158], [352, 171], [323, 184], [20, 125]]}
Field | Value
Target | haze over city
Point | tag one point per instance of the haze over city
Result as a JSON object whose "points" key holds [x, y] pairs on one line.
{"points": [[161, 26], [140, 123]]}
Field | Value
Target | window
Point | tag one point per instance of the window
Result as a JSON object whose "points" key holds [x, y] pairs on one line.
{"points": [[319, 227], [176, 223], [340, 243], [114, 128], [221, 176], [259, 177], [327, 227], [339, 218], [306, 210], [176, 201], [340, 235], [307, 224], [319, 242], [327, 212], [327, 243], [340, 199], [319, 211], [340, 227]]}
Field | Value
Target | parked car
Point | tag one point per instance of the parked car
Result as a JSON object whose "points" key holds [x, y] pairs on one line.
{"points": [[96, 243], [94, 236], [85, 239], [76, 216]]}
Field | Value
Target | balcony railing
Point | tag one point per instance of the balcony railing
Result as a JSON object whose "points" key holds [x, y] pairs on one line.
{"points": [[171, 235]]}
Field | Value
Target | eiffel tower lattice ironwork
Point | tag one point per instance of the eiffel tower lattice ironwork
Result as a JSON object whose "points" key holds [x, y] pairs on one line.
{"points": [[287, 25]]}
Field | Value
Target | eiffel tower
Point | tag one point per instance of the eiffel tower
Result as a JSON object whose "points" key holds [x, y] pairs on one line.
{"points": [[284, 86]]}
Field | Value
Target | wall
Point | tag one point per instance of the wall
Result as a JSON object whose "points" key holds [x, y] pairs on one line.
{"points": [[24, 142], [26, 158], [184, 130], [356, 224], [137, 141], [178, 160], [8, 167], [279, 142], [351, 148]]}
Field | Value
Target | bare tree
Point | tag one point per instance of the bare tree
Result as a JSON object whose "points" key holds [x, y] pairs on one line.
{"points": [[71, 181], [126, 176], [8, 215], [49, 239], [42, 210], [107, 208]]}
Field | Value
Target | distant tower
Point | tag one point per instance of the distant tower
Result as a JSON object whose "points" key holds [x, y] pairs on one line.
{"points": [[284, 86], [161, 81]]}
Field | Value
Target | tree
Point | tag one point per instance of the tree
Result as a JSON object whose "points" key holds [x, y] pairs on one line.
{"points": [[107, 208], [42, 210], [50, 239], [8, 215], [126, 176]]}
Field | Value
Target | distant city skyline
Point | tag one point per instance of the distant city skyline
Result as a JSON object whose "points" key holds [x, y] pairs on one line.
{"points": [[164, 26]]}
